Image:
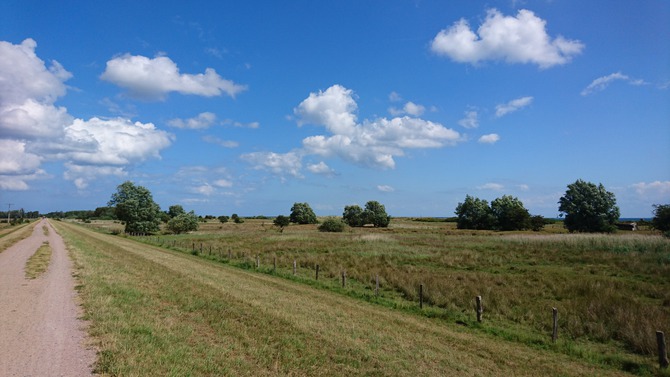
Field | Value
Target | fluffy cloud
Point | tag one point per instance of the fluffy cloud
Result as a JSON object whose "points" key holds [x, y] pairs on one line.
{"points": [[321, 168], [14, 160], [201, 121], [520, 39], [471, 120], [656, 189], [513, 106], [603, 82], [372, 143], [113, 142], [33, 130], [333, 108], [410, 108], [153, 79], [489, 139], [278, 163]]}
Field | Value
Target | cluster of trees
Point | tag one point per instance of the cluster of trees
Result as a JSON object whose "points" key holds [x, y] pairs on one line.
{"points": [[586, 207], [354, 216], [505, 213]]}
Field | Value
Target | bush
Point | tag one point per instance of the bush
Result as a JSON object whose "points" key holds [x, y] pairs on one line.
{"points": [[332, 225]]}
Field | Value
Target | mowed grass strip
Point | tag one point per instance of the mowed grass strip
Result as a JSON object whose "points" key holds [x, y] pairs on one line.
{"points": [[38, 263], [158, 312], [11, 235]]}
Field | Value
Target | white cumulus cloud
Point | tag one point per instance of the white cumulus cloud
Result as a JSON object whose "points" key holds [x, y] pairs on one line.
{"points": [[489, 139], [153, 79], [321, 168], [201, 121], [603, 82], [656, 189], [410, 108], [35, 131], [512, 106], [514, 39], [371, 143], [281, 164]]}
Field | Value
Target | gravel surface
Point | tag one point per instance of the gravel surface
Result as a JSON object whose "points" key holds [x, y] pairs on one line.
{"points": [[40, 330]]}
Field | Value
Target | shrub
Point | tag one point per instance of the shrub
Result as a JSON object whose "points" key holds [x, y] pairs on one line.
{"points": [[332, 225]]}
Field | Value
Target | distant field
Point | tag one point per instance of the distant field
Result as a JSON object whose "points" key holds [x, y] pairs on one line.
{"points": [[612, 292]]}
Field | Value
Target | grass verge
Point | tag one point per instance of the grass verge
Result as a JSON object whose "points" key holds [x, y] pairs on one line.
{"points": [[38, 263]]}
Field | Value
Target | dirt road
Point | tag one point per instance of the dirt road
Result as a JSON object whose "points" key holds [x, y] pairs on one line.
{"points": [[40, 333]]}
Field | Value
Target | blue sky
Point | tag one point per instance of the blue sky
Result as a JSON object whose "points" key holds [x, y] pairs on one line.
{"points": [[248, 107]]}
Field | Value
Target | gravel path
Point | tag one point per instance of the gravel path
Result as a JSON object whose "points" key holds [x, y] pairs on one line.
{"points": [[40, 333]]}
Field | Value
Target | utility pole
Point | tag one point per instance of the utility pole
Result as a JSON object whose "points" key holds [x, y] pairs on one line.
{"points": [[9, 213]]}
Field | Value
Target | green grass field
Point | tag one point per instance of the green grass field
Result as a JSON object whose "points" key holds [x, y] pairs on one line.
{"points": [[180, 305]]}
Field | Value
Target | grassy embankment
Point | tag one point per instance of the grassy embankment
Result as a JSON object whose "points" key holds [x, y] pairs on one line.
{"points": [[611, 291], [38, 263], [11, 234], [159, 312]]}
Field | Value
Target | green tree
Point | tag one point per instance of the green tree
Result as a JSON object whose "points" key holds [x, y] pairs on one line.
{"points": [[661, 220], [588, 208], [183, 222], [474, 213], [375, 214], [510, 214], [175, 211], [281, 222], [301, 213], [537, 223], [353, 215], [223, 219], [136, 207], [236, 219]]}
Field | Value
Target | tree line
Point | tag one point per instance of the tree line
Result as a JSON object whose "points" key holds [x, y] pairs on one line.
{"points": [[585, 206]]}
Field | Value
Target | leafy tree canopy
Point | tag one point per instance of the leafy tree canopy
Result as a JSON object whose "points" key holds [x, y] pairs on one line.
{"points": [[281, 222], [175, 211], [183, 222], [474, 213], [375, 214], [353, 215], [661, 220], [301, 213], [136, 207], [509, 213], [588, 208]]}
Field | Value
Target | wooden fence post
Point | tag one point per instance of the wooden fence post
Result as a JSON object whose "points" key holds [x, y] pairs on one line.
{"points": [[230, 255], [662, 353], [317, 272], [294, 266], [274, 265], [344, 278], [420, 296], [480, 310], [377, 285], [554, 333], [258, 261]]}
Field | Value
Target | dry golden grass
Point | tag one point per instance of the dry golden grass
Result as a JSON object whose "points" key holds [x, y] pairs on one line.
{"points": [[160, 312], [38, 263], [13, 234]]}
